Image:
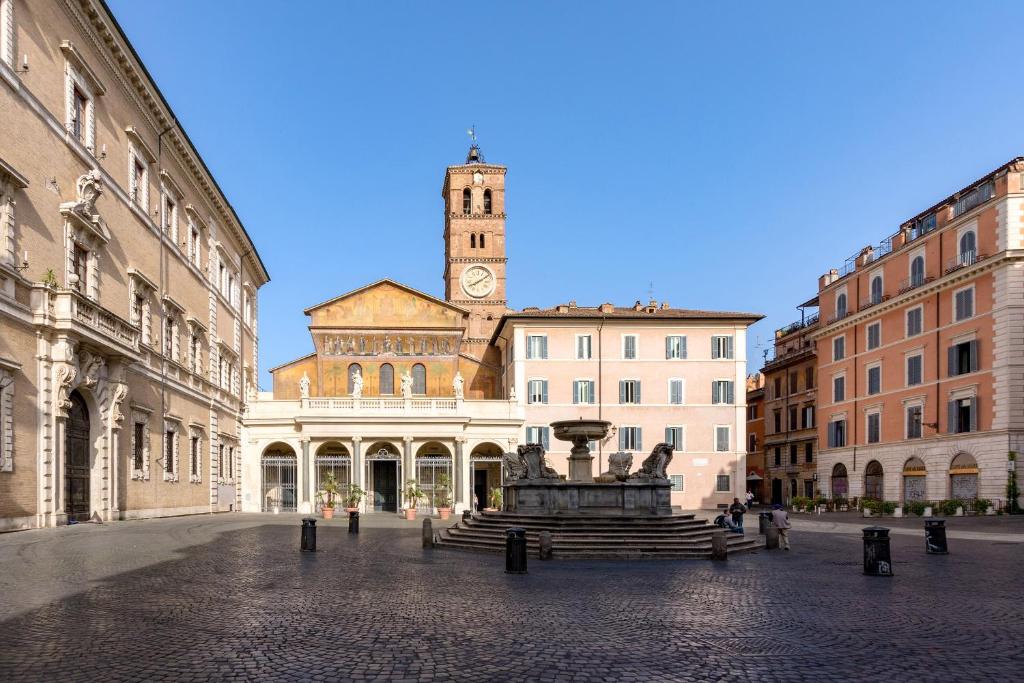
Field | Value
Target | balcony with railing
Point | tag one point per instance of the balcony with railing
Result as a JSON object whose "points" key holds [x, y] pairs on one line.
{"points": [[419, 407], [873, 301], [979, 195], [914, 282], [69, 310], [808, 321], [965, 259]]}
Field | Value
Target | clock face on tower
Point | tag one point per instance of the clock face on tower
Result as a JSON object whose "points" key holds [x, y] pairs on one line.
{"points": [[477, 281]]}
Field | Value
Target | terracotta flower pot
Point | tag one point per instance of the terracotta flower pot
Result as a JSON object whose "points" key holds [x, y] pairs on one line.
{"points": [[410, 514], [445, 513], [328, 513]]}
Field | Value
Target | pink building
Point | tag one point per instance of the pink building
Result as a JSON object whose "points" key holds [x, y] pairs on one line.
{"points": [[656, 373]]}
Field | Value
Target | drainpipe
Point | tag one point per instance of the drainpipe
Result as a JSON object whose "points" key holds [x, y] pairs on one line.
{"points": [[600, 398], [163, 313]]}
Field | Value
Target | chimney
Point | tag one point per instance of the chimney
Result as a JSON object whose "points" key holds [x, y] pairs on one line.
{"points": [[664, 305], [606, 308], [637, 306]]}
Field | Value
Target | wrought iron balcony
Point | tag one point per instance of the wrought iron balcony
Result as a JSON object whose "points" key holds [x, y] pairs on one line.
{"points": [[914, 282], [968, 258]]}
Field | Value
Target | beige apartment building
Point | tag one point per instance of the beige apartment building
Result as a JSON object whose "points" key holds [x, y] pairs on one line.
{"points": [[128, 285], [921, 354]]}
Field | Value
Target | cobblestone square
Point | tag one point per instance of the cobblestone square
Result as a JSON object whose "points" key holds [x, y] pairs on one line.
{"points": [[231, 598]]}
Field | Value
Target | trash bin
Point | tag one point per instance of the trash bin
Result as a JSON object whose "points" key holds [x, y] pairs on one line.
{"points": [[764, 520], [515, 550], [353, 522], [877, 559], [935, 537], [308, 543]]}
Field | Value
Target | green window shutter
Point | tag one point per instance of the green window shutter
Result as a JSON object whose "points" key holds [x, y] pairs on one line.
{"points": [[668, 347], [639, 438], [974, 355], [974, 414], [544, 391], [731, 398], [543, 347], [593, 395], [728, 347], [622, 438], [576, 392], [951, 425], [622, 391], [682, 347], [636, 392], [952, 357]]}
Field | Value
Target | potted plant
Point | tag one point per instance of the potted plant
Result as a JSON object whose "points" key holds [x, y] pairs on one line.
{"points": [[443, 496], [413, 495], [495, 500], [354, 497], [331, 490]]}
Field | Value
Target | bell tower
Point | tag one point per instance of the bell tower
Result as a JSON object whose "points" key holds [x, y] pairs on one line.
{"points": [[474, 245]]}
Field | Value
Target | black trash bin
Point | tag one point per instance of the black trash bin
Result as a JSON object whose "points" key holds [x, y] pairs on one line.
{"points": [[935, 537], [353, 522], [877, 559], [764, 520], [515, 550], [308, 543]]}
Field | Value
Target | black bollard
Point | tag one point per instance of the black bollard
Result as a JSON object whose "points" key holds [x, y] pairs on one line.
{"points": [[544, 543], [353, 522], [764, 520], [308, 543], [428, 533], [935, 537], [515, 550], [719, 545], [877, 559]]}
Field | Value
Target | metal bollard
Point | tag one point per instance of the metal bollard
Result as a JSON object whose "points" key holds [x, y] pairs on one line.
{"points": [[353, 522], [515, 550], [771, 538], [935, 537], [428, 533], [544, 542], [308, 541], [877, 559], [719, 546], [764, 520]]}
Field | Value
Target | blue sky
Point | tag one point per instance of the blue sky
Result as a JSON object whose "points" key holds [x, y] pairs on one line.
{"points": [[727, 152]]}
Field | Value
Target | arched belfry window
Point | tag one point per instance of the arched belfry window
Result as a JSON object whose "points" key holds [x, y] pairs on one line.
{"points": [[419, 379], [467, 201], [481, 240], [487, 202], [387, 379], [472, 240]]}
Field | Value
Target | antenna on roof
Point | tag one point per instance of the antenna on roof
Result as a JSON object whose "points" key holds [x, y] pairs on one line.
{"points": [[471, 132], [650, 290]]}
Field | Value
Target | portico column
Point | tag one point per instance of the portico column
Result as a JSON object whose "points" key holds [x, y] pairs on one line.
{"points": [[459, 474], [60, 517], [307, 484], [358, 476], [409, 466]]}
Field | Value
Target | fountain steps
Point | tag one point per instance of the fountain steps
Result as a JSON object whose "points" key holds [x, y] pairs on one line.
{"points": [[611, 537]]}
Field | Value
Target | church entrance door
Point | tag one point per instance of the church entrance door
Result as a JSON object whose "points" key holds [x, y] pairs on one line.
{"points": [[76, 471], [385, 485]]}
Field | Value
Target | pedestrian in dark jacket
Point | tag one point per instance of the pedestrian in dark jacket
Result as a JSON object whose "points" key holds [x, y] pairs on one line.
{"points": [[737, 510]]}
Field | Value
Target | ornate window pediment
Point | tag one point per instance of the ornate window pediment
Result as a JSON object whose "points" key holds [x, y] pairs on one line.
{"points": [[7, 371]]}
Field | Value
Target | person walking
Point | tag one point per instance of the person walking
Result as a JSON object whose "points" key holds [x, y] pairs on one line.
{"points": [[737, 510], [749, 499], [780, 518]]}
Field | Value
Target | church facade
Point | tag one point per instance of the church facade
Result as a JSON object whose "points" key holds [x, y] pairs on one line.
{"points": [[402, 386]]}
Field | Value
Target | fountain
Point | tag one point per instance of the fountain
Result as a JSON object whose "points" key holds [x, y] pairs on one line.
{"points": [[581, 432]]}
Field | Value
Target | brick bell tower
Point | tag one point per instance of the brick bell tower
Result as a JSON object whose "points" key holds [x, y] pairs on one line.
{"points": [[474, 245]]}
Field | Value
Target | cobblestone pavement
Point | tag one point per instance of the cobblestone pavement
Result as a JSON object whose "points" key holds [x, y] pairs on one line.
{"points": [[230, 598]]}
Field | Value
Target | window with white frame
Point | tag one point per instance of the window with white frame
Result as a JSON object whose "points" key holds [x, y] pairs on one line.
{"points": [[170, 450], [963, 304], [140, 445], [874, 379], [195, 455], [915, 321], [963, 414], [675, 347], [195, 243], [537, 346], [537, 391], [138, 179], [915, 369], [963, 357], [874, 331], [583, 347], [195, 351], [722, 438], [7, 371], [629, 351], [723, 483], [81, 110], [675, 391], [629, 391], [722, 391], [675, 437], [169, 215], [677, 482], [539, 435], [808, 417], [838, 388], [171, 335], [837, 433], [874, 427], [967, 248], [841, 305], [876, 289], [7, 47], [630, 438], [583, 391], [917, 272], [721, 346], [838, 348]]}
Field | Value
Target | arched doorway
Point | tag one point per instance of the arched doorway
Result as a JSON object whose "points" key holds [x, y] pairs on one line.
{"points": [[485, 462], [332, 458], [914, 477], [279, 476], [383, 473], [840, 481], [873, 481], [963, 477], [77, 467], [434, 475]]}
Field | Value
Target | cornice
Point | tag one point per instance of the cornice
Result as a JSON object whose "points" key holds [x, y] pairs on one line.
{"points": [[482, 259]]}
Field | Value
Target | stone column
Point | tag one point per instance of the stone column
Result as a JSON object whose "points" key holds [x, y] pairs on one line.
{"points": [[408, 466], [60, 515], [358, 476], [306, 506], [458, 478]]}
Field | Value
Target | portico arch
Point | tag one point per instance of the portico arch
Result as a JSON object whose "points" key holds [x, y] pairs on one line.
{"points": [[486, 472], [840, 481], [279, 472], [383, 476], [332, 457], [963, 477], [914, 476], [874, 481], [435, 475]]}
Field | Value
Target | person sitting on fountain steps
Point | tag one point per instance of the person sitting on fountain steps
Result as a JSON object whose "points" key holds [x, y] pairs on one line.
{"points": [[737, 511]]}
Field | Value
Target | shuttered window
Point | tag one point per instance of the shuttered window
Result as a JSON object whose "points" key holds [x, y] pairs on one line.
{"points": [[874, 427], [723, 483], [914, 370], [583, 347], [675, 347], [915, 321], [537, 391], [537, 346], [837, 434], [721, 391], [963, 358], [583, 391], [629, 347], [538, 435], [874, 380], [874, 335], [838, 389], [838, 348], [630, 439], [721, 346], [963, 415], [914, 422], [629, 391], [722, 438], [675, 391], [965, 304], [674, 437]]}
